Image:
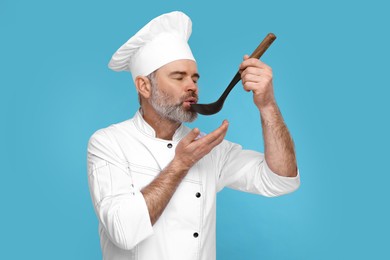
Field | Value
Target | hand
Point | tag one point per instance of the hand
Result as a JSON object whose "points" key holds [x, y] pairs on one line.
{"points": [[257, 77], [191, 149]]}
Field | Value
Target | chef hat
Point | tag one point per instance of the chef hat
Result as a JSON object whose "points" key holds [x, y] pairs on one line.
{"points": [[161, 41]]}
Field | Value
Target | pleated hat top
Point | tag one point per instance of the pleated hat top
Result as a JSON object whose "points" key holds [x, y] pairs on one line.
{"points": [[163, 40]]}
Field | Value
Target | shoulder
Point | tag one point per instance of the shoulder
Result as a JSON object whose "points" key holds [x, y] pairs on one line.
{"points": [[105, 142], [107, 133]]}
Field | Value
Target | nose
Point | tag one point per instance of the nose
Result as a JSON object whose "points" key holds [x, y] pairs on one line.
{"points": [[191, 86]]}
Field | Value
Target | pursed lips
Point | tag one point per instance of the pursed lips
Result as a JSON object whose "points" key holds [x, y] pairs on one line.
{"points": [[188, 101], [192, 100]]}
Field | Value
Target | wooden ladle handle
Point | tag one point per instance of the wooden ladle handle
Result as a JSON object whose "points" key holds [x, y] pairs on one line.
{"points": [[263, 46]]}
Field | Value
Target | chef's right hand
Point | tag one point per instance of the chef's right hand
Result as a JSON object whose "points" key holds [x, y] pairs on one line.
{"points": [[191, 148]]}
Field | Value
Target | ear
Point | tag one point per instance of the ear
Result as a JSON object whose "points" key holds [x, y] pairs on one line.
{"points": [[143, 86]]}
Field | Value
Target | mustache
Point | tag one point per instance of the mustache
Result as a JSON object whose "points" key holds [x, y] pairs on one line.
{"points": [[190, 95]]}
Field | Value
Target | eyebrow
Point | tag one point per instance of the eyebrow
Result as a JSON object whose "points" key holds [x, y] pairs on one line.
{"points": [[183, 73]]}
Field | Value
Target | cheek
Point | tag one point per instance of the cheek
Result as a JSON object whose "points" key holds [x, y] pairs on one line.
{"points": [[171, 88], [174, 91], [168, 86], [169, 96]]}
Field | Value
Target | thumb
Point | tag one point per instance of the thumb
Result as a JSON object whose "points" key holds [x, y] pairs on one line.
{"points": [[241, 67]]}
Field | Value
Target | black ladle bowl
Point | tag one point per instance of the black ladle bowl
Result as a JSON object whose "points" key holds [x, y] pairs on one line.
{"points": [[213, 108]]}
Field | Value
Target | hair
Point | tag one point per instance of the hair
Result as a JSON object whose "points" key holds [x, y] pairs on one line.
{"points": [[152, 78]]}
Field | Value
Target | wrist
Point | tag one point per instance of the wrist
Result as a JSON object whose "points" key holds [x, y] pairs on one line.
{"points": [[269, 107], [270, 113], [179, 166], [264, 101]]}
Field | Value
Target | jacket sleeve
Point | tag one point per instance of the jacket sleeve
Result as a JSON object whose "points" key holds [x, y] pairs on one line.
{"points": [[120, 208], [248, 171]]}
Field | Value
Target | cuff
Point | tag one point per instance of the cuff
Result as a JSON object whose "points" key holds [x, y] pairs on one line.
{"points": [[280, 184]]}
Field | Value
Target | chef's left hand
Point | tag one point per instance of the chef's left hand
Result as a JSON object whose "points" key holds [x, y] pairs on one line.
{"points": [[257, 77]]}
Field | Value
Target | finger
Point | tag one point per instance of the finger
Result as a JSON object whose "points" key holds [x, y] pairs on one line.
{"points": [[251, 86], [255, 75], [205, 147], [259, 87], [246, 56], [218, 140], [221, 129], [252, 62], [250, 72], [251, 81], [216, 133], [191, 136]]}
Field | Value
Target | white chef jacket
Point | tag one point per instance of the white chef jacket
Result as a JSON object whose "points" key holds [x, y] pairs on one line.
{"points": [[125, 157]]}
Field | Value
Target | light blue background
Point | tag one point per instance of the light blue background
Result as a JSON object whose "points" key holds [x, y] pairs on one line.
{"points": [[331, 67]]}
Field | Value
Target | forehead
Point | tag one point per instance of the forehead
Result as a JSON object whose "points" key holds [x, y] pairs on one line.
{"points": [[188, 66]]}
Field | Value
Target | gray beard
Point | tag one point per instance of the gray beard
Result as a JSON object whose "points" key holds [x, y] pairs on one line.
{"points": [[160, 101]]}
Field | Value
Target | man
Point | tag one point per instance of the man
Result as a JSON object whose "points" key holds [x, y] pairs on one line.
{"points": [[153, 181]]}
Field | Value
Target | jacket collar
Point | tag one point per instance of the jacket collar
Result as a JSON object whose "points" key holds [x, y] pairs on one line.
{"points": [[146, 129]]}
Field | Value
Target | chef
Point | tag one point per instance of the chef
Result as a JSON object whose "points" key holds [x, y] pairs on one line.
{"points": [[153, 181]]}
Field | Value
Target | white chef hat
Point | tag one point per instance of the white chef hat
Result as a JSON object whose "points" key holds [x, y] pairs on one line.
{"points": [[161, 41]]}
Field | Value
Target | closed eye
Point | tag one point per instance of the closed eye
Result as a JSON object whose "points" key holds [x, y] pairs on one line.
{"points": [[180, 75]]}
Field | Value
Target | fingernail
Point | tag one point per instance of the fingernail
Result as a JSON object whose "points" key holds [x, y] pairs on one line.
{"points": [[200, 136]]}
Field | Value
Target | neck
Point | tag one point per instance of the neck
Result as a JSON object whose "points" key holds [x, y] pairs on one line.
{"points": [[164, 128]]}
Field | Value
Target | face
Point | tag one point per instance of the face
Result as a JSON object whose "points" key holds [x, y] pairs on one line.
{"points": [[174, 89]]}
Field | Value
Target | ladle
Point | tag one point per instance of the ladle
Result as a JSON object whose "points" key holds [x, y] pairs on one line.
{"points": [[212, 108]]}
